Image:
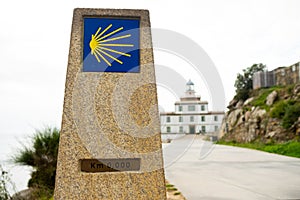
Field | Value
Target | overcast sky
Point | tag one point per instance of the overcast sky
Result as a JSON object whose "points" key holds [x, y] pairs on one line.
{"points": [[35, 35]]}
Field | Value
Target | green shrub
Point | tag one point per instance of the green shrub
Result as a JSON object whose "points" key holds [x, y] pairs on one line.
{"points": [[288, 111], [279, 110], [291, 115], [290, 89], [243, 82], [42, 156]]}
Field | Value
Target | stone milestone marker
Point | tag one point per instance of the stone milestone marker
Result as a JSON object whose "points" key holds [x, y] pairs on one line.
{"points": [[110, 145]]}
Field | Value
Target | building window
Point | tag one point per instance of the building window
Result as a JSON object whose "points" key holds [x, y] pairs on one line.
{"points": [[168, 129], [168, 119], [282, 72], [180, 129], [202, 108], [191, 108], [216, 118], [294, 68], [180, 108], [191, 118], [180, 119], [203, 130], [203, 118], [216, 128]]}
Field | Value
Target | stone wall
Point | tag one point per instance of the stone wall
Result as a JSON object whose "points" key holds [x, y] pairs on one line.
{"points": [[279, 76], [287, 75]]}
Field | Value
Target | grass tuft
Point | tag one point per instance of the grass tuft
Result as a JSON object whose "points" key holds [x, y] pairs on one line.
{"points": [[291, 148], [177, 193]]}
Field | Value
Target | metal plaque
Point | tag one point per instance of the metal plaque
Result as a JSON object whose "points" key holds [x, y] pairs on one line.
{"points": [[110, 165]]}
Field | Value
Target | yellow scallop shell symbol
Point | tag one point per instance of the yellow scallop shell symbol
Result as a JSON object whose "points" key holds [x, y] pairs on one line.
{"points": [[100, 45]]}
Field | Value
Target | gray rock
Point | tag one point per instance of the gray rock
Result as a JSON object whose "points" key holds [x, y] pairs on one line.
{"points": [[248, 101], [240, 120], [247, 115], [271, 98], [232, 103], [234, 117], [271, 134], [296, 89], [258, 113], [239, 104], [24, 194]]}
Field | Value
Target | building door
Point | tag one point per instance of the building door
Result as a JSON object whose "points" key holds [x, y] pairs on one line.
{"points": [[192, 129]]}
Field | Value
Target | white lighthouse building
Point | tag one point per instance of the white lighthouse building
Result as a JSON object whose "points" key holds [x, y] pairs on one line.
{"points": [[191, 115]]}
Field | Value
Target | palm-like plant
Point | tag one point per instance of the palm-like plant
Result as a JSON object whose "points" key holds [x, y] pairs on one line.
{"points": [[42, 156]]}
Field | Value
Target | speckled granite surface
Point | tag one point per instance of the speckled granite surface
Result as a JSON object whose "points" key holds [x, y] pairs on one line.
{"points": [[110, 115]]}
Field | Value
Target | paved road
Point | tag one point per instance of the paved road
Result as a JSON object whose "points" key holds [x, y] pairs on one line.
{"points": [[201, 170]]}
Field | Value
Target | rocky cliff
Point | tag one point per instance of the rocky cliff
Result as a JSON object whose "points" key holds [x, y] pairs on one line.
{"points": [[269, 115]]}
